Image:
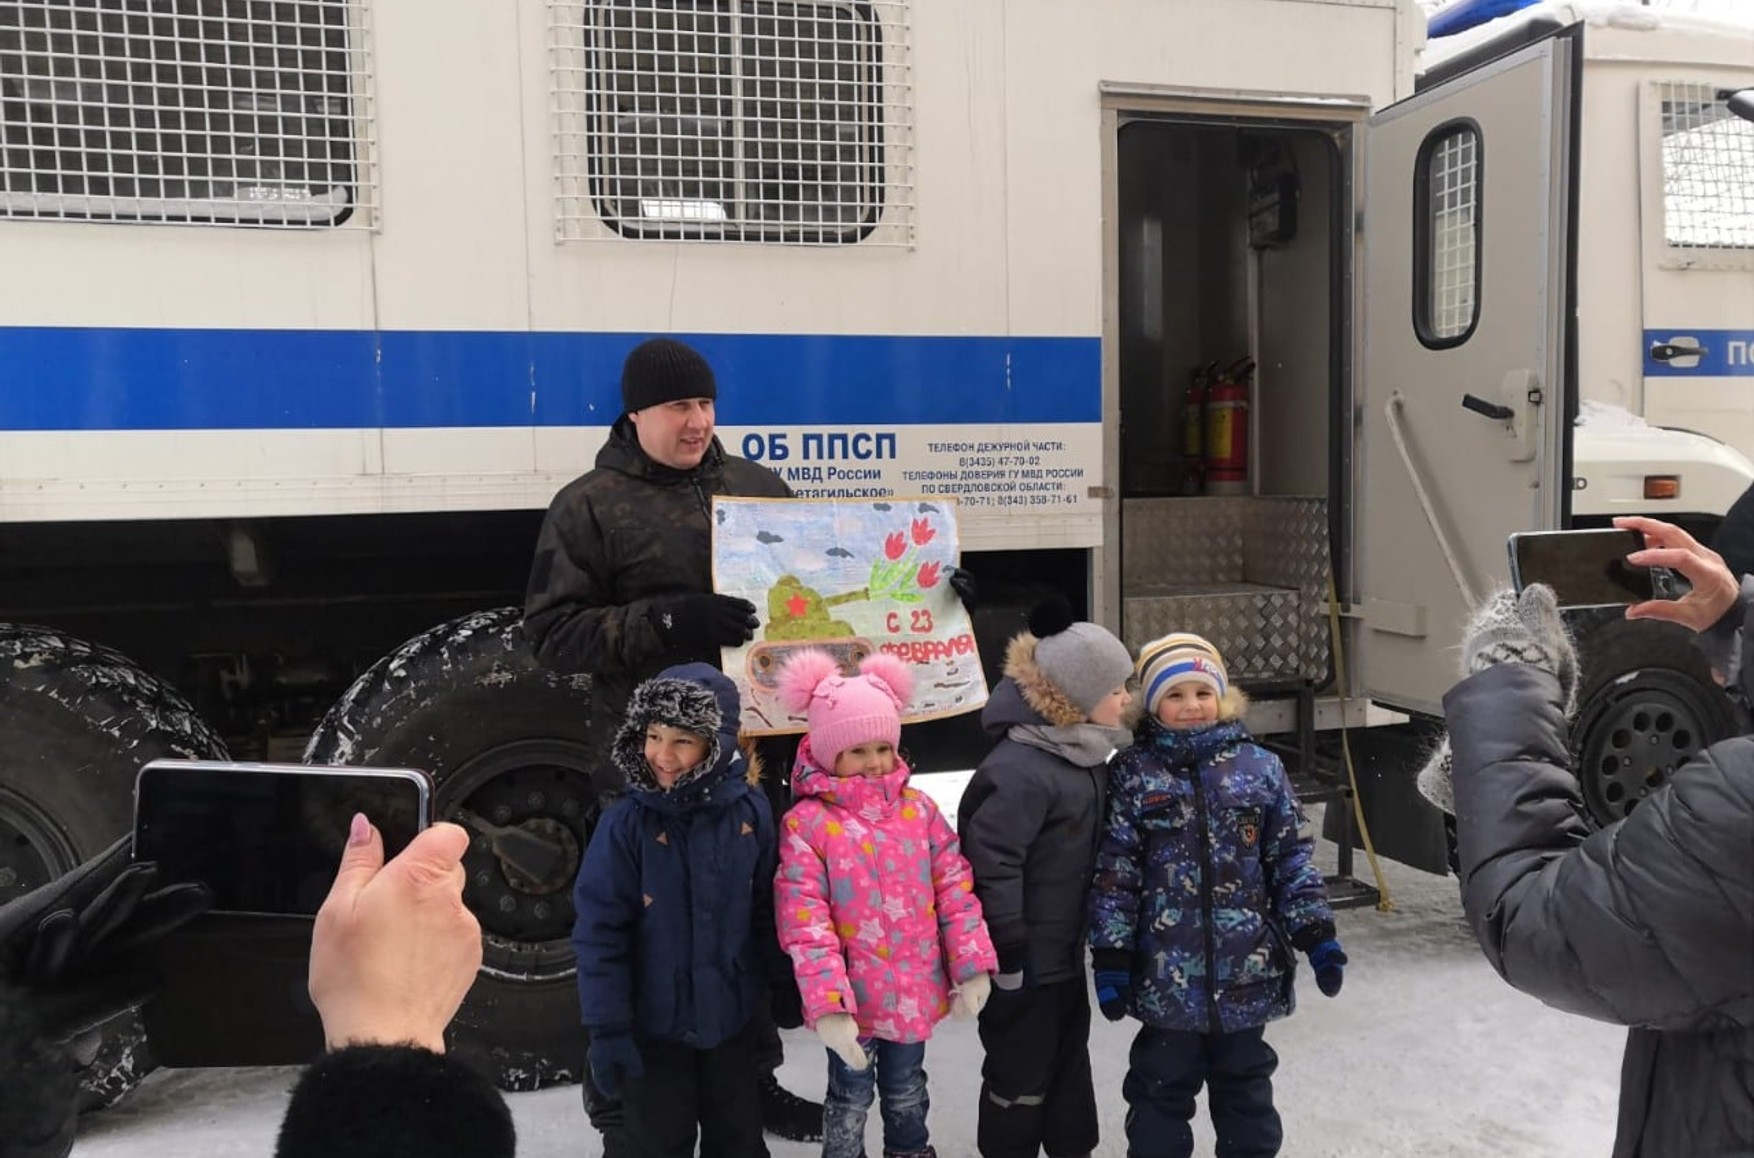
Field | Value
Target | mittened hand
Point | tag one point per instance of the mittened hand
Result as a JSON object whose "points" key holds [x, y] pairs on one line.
{"points": [[614, 1059], [840, 1033], [971, 997], [1329, 962], [1527, 629], [1114, 990]]}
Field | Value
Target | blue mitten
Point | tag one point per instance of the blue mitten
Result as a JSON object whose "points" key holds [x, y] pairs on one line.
{"points": [[614, 1060], [1329, 962], [1114, 983]]}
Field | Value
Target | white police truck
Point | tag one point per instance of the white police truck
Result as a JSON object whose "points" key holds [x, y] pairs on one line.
{"points": [[313, 304]]}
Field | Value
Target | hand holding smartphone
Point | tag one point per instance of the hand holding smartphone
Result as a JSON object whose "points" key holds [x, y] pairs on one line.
{"points": [[1590, 569], [267, 839]]}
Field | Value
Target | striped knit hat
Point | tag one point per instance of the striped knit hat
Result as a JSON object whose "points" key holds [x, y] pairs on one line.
{"points": [[1177, 658]]}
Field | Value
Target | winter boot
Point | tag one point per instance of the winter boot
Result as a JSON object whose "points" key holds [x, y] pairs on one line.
{"points": [[786, 1115], [928, 1152]]}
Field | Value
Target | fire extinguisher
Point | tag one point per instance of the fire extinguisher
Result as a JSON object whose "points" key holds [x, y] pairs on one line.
{"points": [[1227, 429], [1194, 428]]}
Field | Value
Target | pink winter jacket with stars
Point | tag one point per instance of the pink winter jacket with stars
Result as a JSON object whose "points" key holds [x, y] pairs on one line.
{"points": [[875, 903]]}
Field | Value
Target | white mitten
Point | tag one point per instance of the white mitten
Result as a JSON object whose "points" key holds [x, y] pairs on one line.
{"points": [[840, 1033], [1507, 628], [970, 997]]}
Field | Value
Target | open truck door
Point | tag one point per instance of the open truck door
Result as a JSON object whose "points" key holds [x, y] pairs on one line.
{"points": [[1466, 406], [1464, 402]]}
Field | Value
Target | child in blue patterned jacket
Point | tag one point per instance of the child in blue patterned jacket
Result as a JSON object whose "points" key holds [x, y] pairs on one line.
{"points": [[1203, 889]]}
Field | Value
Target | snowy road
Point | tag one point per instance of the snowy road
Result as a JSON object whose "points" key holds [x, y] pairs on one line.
{"points": [[1425, 1053]]}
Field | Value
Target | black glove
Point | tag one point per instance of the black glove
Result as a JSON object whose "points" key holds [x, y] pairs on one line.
{"points": [[1114, 982], [698, 622], [962, 582], [76, 941], [786, 1004]]}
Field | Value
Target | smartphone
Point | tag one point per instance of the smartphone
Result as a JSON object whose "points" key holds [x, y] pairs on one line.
{"points": [[1589, 568], [266, 837]]}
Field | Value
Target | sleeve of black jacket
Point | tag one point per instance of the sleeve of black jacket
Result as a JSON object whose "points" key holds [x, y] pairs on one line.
{"points": [[375, 1101], [38, 1083], [570, 615], [1649, 922], [998, 817]]}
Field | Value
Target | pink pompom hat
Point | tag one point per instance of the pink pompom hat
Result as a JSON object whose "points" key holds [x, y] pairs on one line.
{"points": [[846, 712]]}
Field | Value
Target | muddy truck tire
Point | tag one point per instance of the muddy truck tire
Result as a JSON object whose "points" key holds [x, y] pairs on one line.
{"points": [[1647, 703], [505, 743], [77, 721]]}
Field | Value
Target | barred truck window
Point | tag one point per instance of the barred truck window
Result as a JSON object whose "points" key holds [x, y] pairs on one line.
{"points": [[1708, 170], [732, 120], [1446, 241], [223, 112]]}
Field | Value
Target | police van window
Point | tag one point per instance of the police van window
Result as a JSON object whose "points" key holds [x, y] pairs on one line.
{"points": [[738, 120], [1446, 235], [225, 112], [1708, 170]]}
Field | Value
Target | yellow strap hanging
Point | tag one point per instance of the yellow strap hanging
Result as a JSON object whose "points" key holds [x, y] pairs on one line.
{"points": [[1384, 904]]}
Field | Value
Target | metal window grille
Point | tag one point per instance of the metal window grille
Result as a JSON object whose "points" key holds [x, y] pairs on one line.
{"points": [[733, 120], [1453, 206], [225, 112], [1708, 170]]}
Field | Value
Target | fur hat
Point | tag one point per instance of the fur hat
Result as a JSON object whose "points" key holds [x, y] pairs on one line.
{"points": [[1065, 668], [1183, 657], [661, 370], [844, 711], [695, 697]]}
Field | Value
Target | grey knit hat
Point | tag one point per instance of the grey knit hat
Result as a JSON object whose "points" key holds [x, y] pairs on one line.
{"points": [[1084, 661]]}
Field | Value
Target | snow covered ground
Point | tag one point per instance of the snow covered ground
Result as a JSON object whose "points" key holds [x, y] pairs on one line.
{"points": [[1424, 1053]]}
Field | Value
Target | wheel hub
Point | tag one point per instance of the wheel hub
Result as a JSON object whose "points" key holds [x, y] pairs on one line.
{"points": [[1631, 742], [33, 851], [529, 808]]}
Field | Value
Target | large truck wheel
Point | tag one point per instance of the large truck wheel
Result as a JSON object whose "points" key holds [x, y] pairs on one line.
{"points": [[76, 723], [1647, 703], [505, 743]]}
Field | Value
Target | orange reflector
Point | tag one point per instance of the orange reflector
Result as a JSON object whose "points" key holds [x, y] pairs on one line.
{"points": [[1662, 486]]}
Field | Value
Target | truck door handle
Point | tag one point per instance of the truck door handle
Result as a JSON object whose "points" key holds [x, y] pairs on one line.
{"points": [[1669, 351], [1487, 409]]}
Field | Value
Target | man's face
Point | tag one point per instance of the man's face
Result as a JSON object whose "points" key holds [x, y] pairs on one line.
{"points": [[676, 434]]}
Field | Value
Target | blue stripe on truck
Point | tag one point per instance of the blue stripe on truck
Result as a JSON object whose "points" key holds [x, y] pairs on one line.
{"points": [[153, 379], [1728, 354]]}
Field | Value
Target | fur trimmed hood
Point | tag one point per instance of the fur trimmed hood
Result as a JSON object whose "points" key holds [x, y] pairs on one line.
{"points": [[697, 698], [1053, 705]]}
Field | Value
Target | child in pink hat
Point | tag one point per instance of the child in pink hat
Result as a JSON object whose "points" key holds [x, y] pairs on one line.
{"points": [[875, 903]]}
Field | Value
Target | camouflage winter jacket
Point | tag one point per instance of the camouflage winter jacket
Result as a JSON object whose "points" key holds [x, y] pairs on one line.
{"points": [[615, 541], [1204, 883]]}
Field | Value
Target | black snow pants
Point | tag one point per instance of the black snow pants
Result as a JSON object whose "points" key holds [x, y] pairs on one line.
{"points": [[686, 1092], [1165, 1071], [1036, 1088]]}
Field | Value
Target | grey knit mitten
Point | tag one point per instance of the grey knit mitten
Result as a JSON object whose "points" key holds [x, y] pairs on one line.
{"points": [[1507, 628]]}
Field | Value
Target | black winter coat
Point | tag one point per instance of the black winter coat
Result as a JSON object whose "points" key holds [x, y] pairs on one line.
{"points": [[616, 541], [675, 930], [1648, 923], [1030, 823]]}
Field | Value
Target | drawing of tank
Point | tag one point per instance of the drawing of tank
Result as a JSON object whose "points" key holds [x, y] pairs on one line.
{"points": [[798, 618]]}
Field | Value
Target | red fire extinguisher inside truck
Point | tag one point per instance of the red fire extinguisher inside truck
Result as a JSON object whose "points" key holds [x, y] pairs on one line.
{"points": [[1227, 426]]}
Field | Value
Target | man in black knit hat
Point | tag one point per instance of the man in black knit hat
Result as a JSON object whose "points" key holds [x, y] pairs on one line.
{"points": [[621, 588]]}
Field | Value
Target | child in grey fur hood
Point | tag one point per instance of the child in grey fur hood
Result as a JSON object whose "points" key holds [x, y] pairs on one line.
{"points": [[1030, 821]]}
